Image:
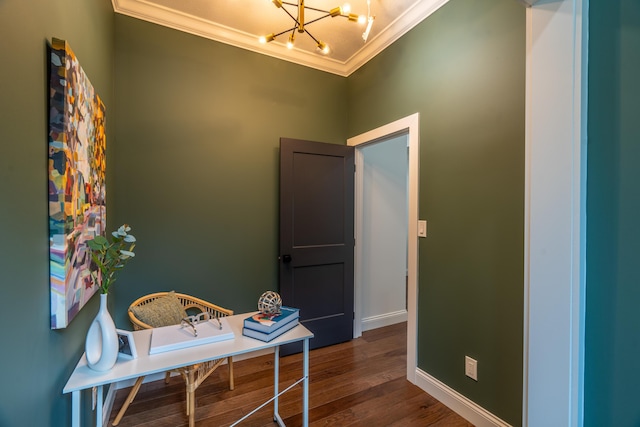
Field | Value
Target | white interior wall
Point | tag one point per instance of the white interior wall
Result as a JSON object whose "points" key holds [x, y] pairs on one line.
{"points": [[384, 239]]}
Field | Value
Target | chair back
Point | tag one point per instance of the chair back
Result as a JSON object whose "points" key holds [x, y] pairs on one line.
{"points": [[187, 301]]}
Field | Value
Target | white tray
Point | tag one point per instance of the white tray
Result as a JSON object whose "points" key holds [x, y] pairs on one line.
{"points": [[175, 337]]}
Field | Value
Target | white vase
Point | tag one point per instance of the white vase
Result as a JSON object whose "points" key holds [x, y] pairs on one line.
{"points": [[101, 346]]}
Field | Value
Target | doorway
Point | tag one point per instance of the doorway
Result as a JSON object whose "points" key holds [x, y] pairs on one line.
{"points": [[383, 243], [409, 128]]}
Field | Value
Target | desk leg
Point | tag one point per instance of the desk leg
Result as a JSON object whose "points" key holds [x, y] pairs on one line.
{"points": [[99, 407], [75, 408], [305, 384], [191, 397], [276, 381]]}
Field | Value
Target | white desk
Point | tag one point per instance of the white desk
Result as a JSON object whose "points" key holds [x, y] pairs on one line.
{"points": [[84, 377]]}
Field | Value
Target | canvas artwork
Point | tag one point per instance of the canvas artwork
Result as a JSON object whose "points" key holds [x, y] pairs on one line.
{"points": [[77, 209]]}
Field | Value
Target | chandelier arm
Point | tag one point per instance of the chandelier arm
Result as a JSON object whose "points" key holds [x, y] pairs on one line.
{"points": [[310, 35], [285, 31], [307, 23], [307, 7], [291, 16], [317, 19], [316, 10]]}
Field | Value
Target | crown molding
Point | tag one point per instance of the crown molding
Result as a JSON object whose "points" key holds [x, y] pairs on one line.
{"points": [[151, 12], [398, 28]]}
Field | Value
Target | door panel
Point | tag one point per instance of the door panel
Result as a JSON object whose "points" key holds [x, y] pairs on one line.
{"points": [[316, 237], [326, 303], [319, 208]]}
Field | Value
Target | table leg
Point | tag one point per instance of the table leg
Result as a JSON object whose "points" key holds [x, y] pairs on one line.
{"points": [[99, 403], [305, 384], [75, 408], [231, 382], [191, 398], [276, 381]]}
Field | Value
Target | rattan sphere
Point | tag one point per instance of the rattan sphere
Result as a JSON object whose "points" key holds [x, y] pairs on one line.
{"points": [[269, 303]]}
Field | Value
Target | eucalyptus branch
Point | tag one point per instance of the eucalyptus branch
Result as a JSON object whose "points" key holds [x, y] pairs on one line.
{"points": [[111, 256]]}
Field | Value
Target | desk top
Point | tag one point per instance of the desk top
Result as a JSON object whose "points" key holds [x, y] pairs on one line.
{"points": [[84, 377]]}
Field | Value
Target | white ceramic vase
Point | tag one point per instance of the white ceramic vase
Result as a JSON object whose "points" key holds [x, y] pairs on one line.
{"points": [[101, 346]]}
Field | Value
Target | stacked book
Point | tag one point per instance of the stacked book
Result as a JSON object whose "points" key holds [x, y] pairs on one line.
{"points": [[266, 328]]}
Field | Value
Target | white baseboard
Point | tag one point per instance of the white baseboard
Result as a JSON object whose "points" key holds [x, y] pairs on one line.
{"points": [[381, 320], [458, 403]]}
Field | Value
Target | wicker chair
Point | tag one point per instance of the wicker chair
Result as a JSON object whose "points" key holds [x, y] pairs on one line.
{"points": [[193, 375]]}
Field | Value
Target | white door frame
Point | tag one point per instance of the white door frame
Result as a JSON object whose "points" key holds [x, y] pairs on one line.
{"points": [[555, 221], [410, 126]]}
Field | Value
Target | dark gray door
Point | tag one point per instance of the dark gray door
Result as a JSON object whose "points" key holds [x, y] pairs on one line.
{"points": [[316, 237]]}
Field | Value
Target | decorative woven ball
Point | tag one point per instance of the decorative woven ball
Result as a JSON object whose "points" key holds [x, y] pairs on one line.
{"points": [[269, 303]]}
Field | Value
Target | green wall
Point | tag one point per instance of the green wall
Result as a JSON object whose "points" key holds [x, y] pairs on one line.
{"points": [[196, 161], [193, 167], [612, 378], [36, 360], [463, 70]]}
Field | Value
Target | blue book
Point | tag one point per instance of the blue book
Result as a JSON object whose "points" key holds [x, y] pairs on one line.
{"points": [[265, 324], [275, 334]]}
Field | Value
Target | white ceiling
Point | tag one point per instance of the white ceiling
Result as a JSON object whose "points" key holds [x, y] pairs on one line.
{"points": [[241, 22]]}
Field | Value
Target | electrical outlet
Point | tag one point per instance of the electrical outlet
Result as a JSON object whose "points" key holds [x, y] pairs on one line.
{"points": [[471, 368]]}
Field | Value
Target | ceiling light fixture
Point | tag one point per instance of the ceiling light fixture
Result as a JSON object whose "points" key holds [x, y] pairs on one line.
{"points": [[301, 25]]}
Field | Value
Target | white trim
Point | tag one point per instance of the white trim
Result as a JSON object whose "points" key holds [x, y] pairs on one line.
{"points": [[581, 99], [527, 221], [171, 18], [458, 403], [555, 214], [411, 126], [358, 254], [382, 320]]}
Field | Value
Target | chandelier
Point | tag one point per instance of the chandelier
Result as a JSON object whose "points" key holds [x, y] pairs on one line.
{"points": [[300, 25]]}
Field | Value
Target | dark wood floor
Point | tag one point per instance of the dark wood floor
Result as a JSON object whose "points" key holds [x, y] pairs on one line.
{"points": [[359, 383]]}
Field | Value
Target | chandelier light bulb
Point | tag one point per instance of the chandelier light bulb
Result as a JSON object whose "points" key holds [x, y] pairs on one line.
{"points": [[362, 19], [266, 39], [346, 8], [323, 47]]}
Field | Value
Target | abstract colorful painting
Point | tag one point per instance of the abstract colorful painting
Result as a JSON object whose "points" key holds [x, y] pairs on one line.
{"points": [[77, 208]]}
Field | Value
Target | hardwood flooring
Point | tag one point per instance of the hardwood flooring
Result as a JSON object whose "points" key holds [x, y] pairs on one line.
{"points": [[358, 383]]}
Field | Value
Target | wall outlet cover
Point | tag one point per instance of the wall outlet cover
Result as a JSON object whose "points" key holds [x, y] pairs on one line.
{"points": [[471, 368], [422, 228]]}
